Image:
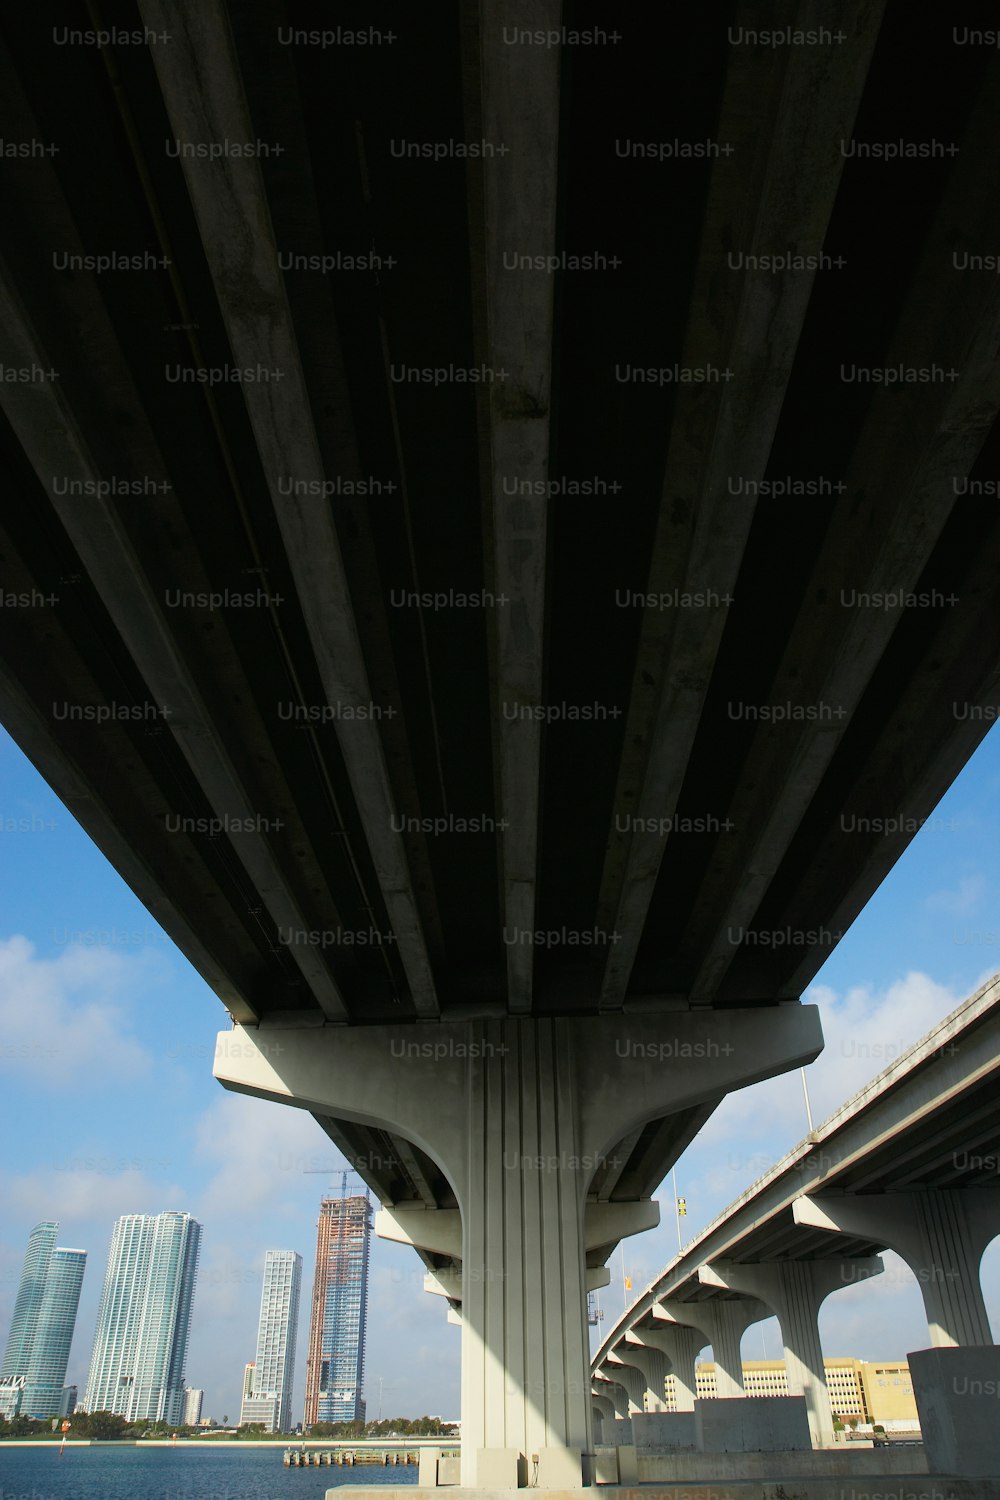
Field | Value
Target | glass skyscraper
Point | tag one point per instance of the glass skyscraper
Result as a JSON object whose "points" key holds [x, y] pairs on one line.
{"points": [[335, 1369], [270, 1399], [41, 1329], [137, 1367]]}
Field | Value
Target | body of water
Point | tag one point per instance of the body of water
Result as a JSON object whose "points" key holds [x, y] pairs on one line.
{"points": [[34, 1473]]}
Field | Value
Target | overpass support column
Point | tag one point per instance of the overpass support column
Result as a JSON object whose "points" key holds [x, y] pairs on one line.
{"points": [[618, 1396], [631, 1378], [723, 1324], [680, 1345], [941, 1234], [654, 1368], [795, 1290], [519, 1114], [604, 1405]]}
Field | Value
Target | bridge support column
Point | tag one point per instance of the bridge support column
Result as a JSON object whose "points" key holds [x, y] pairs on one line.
{"points": [[619, 1397], [722, 1324], [631, 1378], [680, 1345], [795, 1290], [604, 1407], [941, 1235], [519, 1114], [654, 1366]]}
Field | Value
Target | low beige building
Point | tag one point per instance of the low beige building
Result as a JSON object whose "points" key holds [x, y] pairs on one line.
{"points": [[869, 1392]]}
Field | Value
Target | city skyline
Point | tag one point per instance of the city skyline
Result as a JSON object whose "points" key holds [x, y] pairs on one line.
{"points": [[42, 1327], [143, 1324]]}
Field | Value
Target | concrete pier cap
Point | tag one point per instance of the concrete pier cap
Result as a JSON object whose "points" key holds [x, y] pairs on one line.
{"points": [[519, 1114]]}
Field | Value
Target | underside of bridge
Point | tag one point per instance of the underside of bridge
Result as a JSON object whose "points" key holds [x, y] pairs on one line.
{"points": [[428, 637]]}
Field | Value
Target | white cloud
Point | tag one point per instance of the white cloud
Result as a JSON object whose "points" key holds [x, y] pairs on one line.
{"points": [[65, 1022], [85, 1201], [260, 1151], [864, 1030], [965, 899]]}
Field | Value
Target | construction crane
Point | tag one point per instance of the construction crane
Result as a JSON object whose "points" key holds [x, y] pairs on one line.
{"points": [[325, 1171]]}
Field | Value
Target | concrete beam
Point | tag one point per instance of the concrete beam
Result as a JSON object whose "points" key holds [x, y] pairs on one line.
{"points": [[442, 1282], [630, 1378], [784, 188], [448, 1283], [438, 1230], [654, 1366], [55, 445], [679, 1344], [607, 1223], [231, 208], [616, 1393], [625, 1072], [900, 495], [513, 93]]}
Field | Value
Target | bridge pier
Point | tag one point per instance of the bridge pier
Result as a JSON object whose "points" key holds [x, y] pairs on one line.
{"points": [[616, 1398], [603, 1408], [680, 1345], [519, 1114], [631, 1379], [722, 1324], [795, 1290], [941, 1234], [654, 1366]]}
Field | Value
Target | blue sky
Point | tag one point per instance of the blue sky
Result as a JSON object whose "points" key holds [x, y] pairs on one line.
{"points": [[109, 1106]]}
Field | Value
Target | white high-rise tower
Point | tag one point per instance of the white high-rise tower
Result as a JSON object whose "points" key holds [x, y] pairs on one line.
{"points": [[41, 1329], [137, 1367], [270, 1401]]}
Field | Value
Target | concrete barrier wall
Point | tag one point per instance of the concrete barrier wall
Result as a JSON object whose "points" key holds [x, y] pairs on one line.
{"points": [[664, 1432], [752, 1424], [956, 1392], [823, 1464]]}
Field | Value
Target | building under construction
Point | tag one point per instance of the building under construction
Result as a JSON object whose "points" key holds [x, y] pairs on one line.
{"points": [[335, 1370]]}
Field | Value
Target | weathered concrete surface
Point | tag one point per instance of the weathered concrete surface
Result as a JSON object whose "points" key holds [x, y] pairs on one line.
{"points": [[873, 1487], [664, 1431], [842, 1463], [956, 1394], [752, 1424]]}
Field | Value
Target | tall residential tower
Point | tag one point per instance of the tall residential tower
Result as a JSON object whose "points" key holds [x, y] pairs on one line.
{"points": [[41, 1329], [137, 1367], [270, 1399], [335, 1369]]}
